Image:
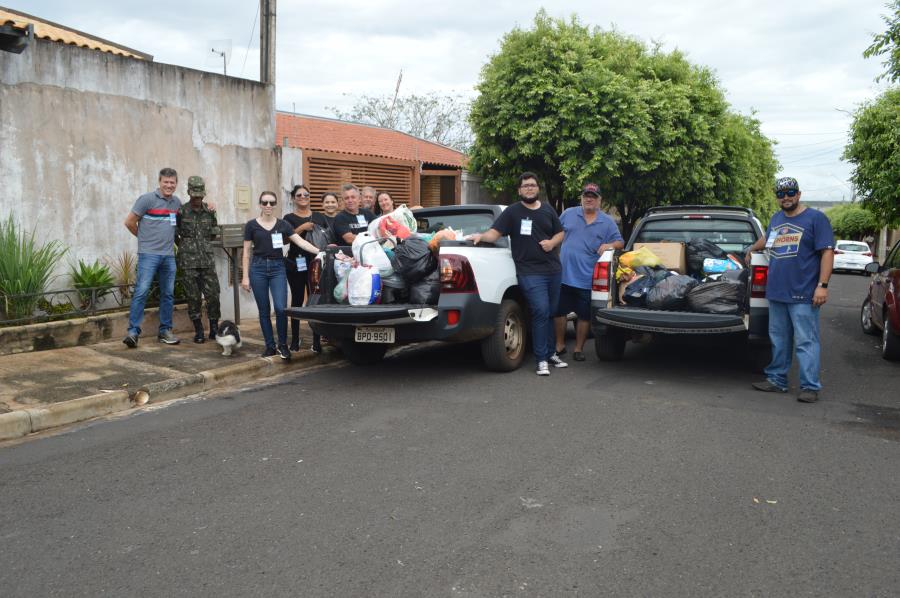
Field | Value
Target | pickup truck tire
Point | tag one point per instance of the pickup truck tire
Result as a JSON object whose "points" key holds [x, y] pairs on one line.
{"points": [[609, 346], [865, 318], [504, 349], [363, 353]]}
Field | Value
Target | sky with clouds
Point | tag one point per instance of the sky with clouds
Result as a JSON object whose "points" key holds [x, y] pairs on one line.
{"points": [[797, 63]]}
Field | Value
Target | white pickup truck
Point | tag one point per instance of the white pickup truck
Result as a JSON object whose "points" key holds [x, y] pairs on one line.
{"points": [[734, 230], [479, 299]]}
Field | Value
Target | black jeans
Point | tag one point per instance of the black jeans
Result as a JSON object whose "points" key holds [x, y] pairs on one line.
{"points": [[299, 284]]}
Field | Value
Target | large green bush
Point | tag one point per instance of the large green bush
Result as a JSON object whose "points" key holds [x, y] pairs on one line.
{"points": [[25, 269]]}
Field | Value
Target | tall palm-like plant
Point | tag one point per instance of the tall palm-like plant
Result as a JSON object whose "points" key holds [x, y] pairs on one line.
{"points": [[124, 269], [25, 269]]}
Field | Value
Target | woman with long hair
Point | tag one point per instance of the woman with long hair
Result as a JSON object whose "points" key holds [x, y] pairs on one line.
{"points": [[265, 237], [331, 205], [297, 263], [384, 203]]}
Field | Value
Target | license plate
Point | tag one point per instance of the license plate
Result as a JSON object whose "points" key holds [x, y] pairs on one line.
{"points": [[374, 334]]}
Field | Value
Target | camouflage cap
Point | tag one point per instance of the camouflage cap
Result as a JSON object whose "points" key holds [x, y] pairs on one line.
{"points": [[786, 184], [196, 186]]}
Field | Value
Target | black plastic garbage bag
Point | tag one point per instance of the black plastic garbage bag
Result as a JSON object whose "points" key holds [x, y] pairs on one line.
{"points": [[636, 291], [698, 250], [719, 297], [414, 260], [670, 292], [657, 272], [427, 290]]}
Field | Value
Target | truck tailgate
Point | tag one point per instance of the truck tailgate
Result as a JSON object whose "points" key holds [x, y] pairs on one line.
{"points": [[364, 314], [673, 322]]}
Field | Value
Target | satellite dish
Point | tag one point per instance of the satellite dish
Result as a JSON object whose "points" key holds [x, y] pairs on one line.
{"points": [[219, 54]]}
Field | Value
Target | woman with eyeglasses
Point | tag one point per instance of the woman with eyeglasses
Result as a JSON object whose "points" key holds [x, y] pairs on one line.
{"points": [[265, 237], [384, 203], [297, 263]]}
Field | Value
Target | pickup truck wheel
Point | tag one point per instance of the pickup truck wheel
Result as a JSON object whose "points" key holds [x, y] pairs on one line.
{"points": [[609, 346], [363, 353], [865, 318], [504, 349]]}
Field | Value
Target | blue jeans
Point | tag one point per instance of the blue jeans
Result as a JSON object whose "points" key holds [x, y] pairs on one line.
{"points": [[269, 276], [542, 294], [794, 325], [148, 266]]}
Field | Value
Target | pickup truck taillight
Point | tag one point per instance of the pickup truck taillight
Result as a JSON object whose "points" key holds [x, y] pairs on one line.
{"points": [[457, 275], [315, 273], [601, 277], [758, 279]]}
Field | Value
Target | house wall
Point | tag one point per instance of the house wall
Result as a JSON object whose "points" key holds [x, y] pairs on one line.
{"points": [[473, 191], [84, 133]]}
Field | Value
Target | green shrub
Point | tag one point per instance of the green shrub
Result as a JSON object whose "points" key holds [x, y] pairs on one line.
{"points": [[93, 281], [124, 269], [25, 269]]}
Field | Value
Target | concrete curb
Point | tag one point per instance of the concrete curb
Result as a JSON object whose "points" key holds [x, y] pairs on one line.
{"points": [[16, 424]]}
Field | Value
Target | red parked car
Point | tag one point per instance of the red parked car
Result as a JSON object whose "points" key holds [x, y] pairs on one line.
{"points": [[881, 310]]}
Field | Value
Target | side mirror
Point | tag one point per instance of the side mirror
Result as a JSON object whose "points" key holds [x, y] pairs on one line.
{"points": [[873, 267]]}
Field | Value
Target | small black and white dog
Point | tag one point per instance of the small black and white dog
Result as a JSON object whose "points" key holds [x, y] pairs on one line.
{"points": [[229, 336]]}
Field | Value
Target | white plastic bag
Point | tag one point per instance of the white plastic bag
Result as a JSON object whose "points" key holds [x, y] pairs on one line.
{"points": [[364, 285], [368, 251], [342, 274], [398, 224]]}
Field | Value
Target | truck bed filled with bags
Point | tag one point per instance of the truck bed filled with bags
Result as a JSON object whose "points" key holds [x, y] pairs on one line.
{"points": [[697, 276]]}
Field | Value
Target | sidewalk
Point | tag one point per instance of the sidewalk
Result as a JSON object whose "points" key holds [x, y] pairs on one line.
{"points": [[45, 389]]}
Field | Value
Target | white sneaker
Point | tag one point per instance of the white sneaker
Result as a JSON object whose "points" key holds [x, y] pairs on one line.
{"points": [[557, 362], [543, 369]]}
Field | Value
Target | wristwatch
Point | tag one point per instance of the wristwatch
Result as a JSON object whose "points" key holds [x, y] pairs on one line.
{"points": [[823, 285]]}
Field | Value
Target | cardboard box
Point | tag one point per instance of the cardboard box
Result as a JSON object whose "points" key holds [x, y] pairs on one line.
{"points": [[671, 254]]}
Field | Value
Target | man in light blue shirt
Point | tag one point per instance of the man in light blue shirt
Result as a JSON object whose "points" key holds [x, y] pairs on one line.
{"points": [[589, 232]]}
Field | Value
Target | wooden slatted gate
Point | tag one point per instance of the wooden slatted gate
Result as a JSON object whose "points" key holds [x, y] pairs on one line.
{"points": [[323, 172]]}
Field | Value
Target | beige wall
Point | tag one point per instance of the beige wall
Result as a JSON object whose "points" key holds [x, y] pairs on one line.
{"points": [[84, 133]]}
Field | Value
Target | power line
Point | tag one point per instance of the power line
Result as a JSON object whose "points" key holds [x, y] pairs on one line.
{"points": [[806, 134], [812, 156], [809, 144], [249, 41]]}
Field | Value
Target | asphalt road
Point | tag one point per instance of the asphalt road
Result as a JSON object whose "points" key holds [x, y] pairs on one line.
{"points": [[665, 475]]}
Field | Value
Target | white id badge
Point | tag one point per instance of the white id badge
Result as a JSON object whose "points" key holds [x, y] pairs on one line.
{"points": [[301, 264], [771, 240], [277, 241], [360, 219], [525, 229], [173, 219]]}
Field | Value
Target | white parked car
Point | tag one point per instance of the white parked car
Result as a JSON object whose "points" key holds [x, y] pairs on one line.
{"points": [[852, 256]]}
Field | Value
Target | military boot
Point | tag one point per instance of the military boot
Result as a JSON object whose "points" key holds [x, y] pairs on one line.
{"points": [[213, 329], [198, 328]]}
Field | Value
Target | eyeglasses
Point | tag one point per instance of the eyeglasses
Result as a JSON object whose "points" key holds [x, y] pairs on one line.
{"points": [[528, 186], [302, 195], [267, 203], [789, 193]]}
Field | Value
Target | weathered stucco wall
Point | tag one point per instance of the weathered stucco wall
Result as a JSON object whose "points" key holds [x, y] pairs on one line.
{"points": [[84, 133]]}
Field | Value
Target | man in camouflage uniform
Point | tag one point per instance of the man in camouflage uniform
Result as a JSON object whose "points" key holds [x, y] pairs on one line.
{"points": [[197, 228]]}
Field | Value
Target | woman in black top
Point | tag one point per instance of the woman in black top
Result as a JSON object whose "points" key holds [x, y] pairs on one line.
{"points": [[266, 273], [330, 207], [297, 263]]}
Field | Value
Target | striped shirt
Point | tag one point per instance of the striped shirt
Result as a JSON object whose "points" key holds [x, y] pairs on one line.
{"points": [[156, 228]]}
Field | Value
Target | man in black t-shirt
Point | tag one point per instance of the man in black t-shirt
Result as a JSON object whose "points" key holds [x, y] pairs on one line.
{"points": [[353, 219], [535, 234]]}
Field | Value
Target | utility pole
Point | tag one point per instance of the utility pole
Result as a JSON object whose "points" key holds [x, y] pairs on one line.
{"points": [[394, 103], [267, 42]]}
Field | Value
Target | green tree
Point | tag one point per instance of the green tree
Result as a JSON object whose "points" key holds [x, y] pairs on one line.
{"points": [[874, 151], [852, 221], [888, 43], [439, 118], [573, 103]]}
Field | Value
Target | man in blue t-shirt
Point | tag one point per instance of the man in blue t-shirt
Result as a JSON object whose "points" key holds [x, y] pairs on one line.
{"points": [[589, 232], [800, 244], [535, 233]]}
